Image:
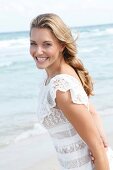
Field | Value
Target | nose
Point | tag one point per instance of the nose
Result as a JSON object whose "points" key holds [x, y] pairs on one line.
{"points": [[39, 50]]}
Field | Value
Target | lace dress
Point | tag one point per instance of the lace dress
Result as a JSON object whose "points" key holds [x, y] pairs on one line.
{"points": [[72, 151]]}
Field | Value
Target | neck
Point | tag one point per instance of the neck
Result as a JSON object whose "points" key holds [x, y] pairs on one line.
{"points": [[55, 69]]}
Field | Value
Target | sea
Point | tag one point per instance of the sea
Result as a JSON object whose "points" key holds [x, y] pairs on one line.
{"points": [[20, 80]]}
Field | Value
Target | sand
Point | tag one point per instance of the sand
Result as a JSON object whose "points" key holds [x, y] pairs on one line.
{"points": [[51, 162], [35, 153]]}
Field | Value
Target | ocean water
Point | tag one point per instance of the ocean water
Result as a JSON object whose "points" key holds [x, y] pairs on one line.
{"points": [[20, 80]]}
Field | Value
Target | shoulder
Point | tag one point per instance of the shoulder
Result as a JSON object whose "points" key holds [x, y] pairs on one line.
{"points": [[64, 87], [62, 81], [65, 79]]}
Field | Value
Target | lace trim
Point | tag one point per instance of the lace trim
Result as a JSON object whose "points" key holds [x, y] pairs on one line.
{"points": [[70, 148], [64, 134], [75, 163], [65, 83], [54, 119]]}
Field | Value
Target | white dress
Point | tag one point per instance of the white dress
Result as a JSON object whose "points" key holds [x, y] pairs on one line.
{"points": [[72, 151]]}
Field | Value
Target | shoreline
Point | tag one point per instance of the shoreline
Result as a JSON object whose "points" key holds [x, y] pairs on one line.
{"points": [[25, 154], [51, 163], [37, 152], [29, 154]]}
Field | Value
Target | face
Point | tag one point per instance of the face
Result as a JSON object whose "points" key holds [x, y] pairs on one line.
{"points": [[45, 48]]}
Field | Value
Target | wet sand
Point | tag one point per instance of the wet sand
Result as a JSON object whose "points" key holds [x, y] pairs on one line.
{"points": [[38, 153]]}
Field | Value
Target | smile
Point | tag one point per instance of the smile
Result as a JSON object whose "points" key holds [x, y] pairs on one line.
{"points": [[41, 59]]}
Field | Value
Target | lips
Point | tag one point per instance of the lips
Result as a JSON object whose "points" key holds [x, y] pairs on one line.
{"points": [[41, 59]]}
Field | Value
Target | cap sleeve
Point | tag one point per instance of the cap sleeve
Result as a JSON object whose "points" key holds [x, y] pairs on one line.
{"points": [[66, 83]]}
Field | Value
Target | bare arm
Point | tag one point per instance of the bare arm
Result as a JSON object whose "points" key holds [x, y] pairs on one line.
{"points": [[98, 123], [81, 119]]}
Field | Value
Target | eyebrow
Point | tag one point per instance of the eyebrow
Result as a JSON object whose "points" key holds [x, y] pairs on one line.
{"points": [[47, 42], [32, 41], [43, 42]]}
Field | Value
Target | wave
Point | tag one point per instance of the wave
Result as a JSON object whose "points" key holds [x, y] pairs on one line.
{"points": [[108, 31], [6, 64], [94, 32], [21, 63], [4, 143], [14, 43], [20, 40], [37, 130]]}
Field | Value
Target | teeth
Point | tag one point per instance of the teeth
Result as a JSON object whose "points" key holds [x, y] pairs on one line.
{"points": [[41, 58]]}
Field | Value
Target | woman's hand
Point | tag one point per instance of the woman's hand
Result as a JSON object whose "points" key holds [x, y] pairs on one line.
{"points": [[105, 143], [92, 157]]}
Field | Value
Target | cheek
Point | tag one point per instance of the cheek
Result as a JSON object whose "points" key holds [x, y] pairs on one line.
{"points": [[31, 50], [52, 52]]}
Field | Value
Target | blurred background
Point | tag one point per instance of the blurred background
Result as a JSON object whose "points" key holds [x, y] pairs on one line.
{"points": [[20, 80]]}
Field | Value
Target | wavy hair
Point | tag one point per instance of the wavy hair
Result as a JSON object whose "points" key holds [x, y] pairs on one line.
{"points": [[63, 34]]}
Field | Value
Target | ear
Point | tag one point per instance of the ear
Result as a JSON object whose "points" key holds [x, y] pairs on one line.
{"points": [[62, 47]]}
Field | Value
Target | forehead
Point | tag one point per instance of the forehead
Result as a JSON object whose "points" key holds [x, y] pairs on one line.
{"points": [[43, 34]]}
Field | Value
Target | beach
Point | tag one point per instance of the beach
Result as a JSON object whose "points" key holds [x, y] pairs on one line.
{"points": [[29, 154], [52, 164], [38, 153], [24, 145], [32, 150]]}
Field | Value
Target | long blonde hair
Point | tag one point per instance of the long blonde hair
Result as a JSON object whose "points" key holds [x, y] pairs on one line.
{"points": [[63, 34]]}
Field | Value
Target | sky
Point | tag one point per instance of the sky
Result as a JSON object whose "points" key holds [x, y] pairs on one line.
{"points": [[16, 15]]}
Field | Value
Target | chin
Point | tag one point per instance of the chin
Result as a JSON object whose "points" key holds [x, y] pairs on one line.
{"points": [[40, 67]]}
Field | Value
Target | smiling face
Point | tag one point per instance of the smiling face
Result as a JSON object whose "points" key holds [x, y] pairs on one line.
{"points": [[45, 48]]}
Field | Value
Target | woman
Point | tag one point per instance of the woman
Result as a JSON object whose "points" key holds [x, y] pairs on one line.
{"points": [[64, 105]]}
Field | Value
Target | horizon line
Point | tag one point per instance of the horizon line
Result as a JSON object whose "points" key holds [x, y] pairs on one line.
{"points": [[79, 26]]}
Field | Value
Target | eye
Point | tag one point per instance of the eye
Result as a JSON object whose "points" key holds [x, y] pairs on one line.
{"points": [[33, 43], [47, 44]]}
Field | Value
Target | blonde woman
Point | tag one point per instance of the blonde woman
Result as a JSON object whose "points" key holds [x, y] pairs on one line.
{"points": [[64, 106]]}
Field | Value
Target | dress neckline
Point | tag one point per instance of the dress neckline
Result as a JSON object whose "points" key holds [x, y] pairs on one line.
{"points": [[61, 74]]}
